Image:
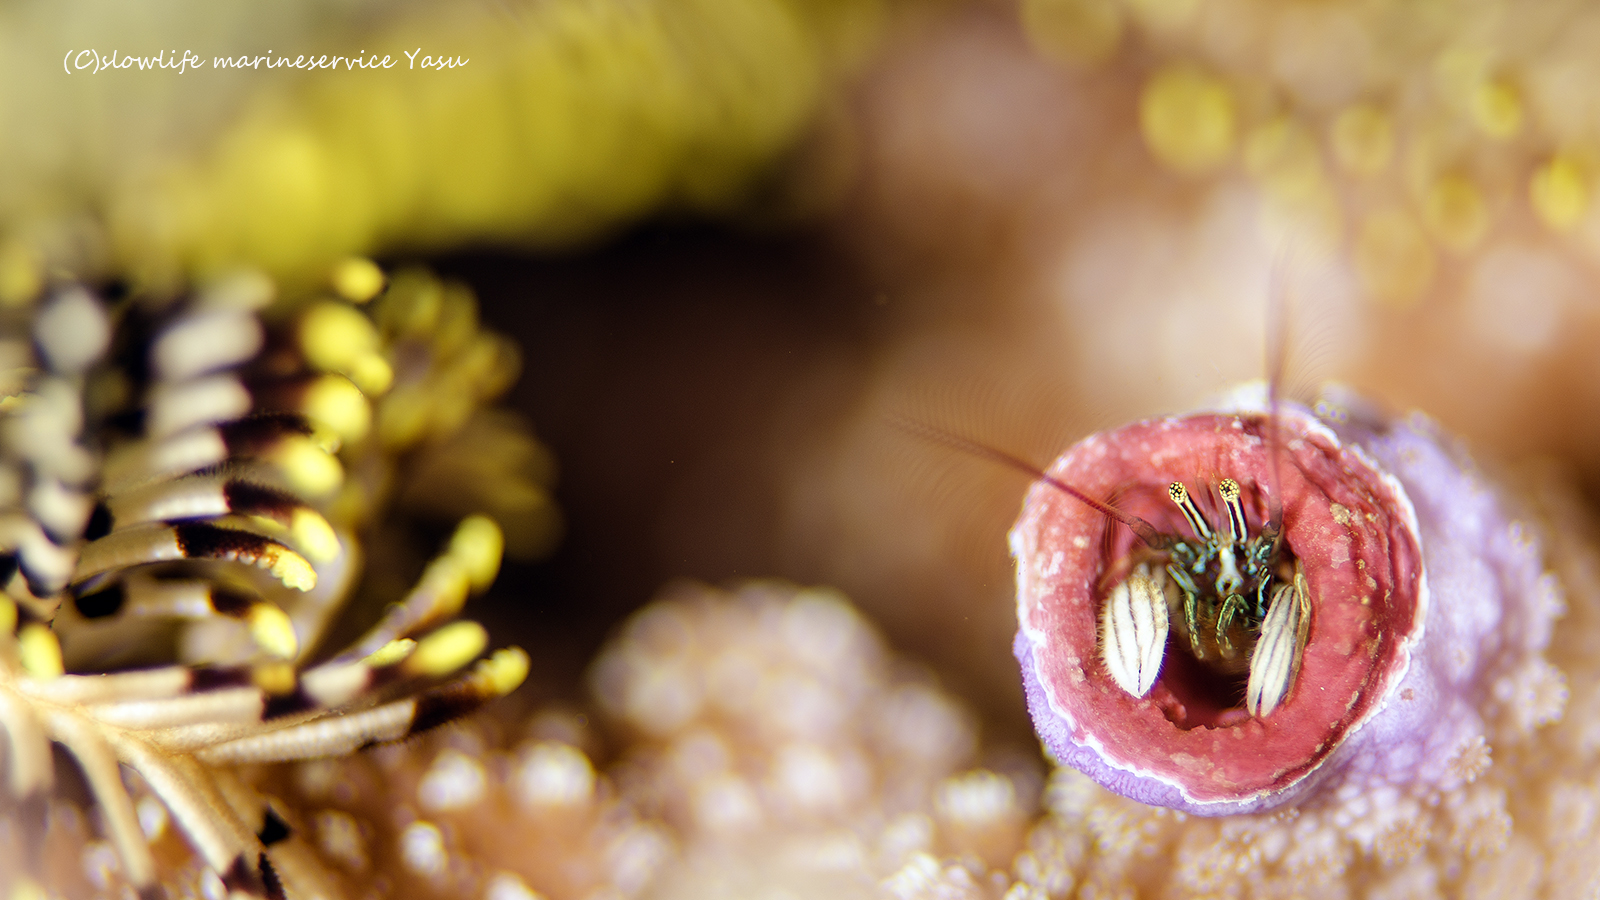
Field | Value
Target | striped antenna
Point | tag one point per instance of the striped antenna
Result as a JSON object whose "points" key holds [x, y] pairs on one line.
{"points": [[1146, 532]]}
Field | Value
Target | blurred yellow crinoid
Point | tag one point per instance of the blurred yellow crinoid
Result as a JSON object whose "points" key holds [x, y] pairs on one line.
{"points": [[1473, 125], [545, 124], [1188, 119]]}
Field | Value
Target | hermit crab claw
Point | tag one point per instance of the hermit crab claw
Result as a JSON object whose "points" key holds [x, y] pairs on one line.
{"points": [[1276, 659], [1133, 626]]}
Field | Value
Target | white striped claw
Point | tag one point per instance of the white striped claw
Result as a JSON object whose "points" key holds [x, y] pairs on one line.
{"points": [[1133, 628]]}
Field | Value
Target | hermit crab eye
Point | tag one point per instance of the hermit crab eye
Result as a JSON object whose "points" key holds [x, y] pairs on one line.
{"points": [[1229, 489], [1180, 496]]}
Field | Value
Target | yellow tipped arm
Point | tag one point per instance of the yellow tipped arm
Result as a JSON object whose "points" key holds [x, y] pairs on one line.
{"points": [[307, 467], [472, 558], [478, 546], [39, 651], [447, 650], [139, 596], [160, 543], [283, 441], [338, 338], [313, 535], [335, 403], [392, 653], [490, 679], [272, 631], [439, 594], [210, 497], [357, 279], [330, 403]]}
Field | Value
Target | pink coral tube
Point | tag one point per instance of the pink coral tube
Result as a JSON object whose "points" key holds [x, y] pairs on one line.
{"points": [[1418, 582]]}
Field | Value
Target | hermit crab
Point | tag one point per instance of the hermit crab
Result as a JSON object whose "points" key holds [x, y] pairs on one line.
{"points": [[182, 483], [1262, 603]]}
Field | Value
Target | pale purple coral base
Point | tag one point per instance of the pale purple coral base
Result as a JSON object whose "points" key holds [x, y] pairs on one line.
{"points": [[1491, 606]]}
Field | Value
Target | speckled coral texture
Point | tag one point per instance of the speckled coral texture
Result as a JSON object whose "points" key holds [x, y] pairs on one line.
{"points": [[768, 744]]}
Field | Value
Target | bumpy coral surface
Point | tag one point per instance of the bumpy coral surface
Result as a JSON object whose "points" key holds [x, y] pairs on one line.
{"points": [[764, 742], [788, 749], [769, 742]]}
